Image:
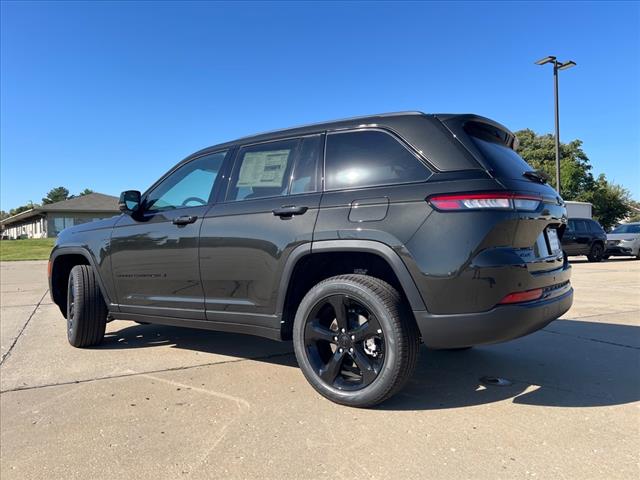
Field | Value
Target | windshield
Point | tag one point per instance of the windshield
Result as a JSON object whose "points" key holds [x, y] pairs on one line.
{"points": [[627, 229]]}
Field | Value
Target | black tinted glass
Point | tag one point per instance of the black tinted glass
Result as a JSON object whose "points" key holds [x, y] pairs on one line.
{"points": [[503, 161], [369, 158], [262, 170], [595, 227], [304, 178], [581, 226]]}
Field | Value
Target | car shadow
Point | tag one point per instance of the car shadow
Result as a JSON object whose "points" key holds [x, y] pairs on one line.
{"points": [[570, 363], [136, 335], [610, 259]]}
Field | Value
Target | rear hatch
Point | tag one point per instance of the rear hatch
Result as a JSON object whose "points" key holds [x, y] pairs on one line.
{"points": [[538, 233]]}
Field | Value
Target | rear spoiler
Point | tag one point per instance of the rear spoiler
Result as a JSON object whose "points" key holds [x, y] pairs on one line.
{"points": [[460, 124]]}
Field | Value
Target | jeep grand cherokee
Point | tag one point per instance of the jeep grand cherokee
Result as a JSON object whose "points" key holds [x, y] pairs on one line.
{"points": [[357, 239]]}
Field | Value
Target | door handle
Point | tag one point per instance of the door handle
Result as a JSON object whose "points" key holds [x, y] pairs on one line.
{"points": [[184, 220], [289, 211]]}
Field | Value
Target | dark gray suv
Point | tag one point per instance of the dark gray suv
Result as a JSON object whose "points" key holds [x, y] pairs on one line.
{"points": [[357, 239]]}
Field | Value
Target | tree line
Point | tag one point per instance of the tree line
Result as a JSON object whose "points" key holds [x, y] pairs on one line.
{"points": [[611, 202], [57, 194]]}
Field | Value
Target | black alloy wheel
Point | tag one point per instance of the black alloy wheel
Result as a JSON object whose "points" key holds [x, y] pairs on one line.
{"points": [[355, 339], [344, 342]]}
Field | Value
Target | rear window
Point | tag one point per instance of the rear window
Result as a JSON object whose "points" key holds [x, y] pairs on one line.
{"points": [[369, 158], [504, 161]]}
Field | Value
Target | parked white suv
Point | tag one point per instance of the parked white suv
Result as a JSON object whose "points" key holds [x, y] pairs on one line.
{"points": [[624, 240]]}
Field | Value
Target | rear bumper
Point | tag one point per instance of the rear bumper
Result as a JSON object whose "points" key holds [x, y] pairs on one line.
{"points": [[499, 324]]}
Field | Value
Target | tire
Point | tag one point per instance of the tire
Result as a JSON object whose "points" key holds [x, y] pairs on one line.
{"points": [[86, 309], [595, 255], [370, 360], [605, 257]]}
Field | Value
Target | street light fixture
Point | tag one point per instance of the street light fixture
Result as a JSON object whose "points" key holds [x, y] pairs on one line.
{"points": [[556, 67]]}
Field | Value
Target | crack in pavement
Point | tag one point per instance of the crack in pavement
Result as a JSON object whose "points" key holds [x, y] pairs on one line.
{"points": [[188, 367], [15, 340], [147, 372]]}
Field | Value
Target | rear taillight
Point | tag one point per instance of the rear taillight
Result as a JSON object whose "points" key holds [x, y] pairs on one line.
{"points": [[526, 296], [485, 201]]}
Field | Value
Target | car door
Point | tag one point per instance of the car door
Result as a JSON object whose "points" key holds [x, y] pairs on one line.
{"points": [[154, 254], [582, 237], [270, 207], [569, 244]]}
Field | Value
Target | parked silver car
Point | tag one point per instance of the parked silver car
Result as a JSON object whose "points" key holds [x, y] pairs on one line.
{"points": [[624, 240]]}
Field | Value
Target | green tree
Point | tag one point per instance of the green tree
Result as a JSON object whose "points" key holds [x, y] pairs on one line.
{"points": [[86, 191], [57, 194], [634, 214], [610, 202], [575, 169], [22, 208]]}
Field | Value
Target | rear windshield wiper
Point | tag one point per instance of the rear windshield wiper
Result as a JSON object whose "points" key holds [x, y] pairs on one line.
{"points": [[536, 176]]}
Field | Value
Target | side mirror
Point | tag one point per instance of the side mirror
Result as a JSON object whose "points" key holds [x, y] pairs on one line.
{"points": [[129, 201]]}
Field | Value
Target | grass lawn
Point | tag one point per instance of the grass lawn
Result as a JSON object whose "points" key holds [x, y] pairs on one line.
{"points": [[30, 249]]}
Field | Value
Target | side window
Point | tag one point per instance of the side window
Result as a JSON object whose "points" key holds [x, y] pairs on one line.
{"points": [[368, 158], [571, 226], [305, 173], [595, 227], [581, 226], [189, 186], [262, 170]]}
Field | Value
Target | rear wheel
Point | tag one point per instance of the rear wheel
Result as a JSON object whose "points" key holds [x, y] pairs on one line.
{"points": [[595, 255], [354, 340], [86, 310]]}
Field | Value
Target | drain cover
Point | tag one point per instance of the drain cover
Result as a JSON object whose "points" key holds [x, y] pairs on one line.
{"points": [[496, 381]]}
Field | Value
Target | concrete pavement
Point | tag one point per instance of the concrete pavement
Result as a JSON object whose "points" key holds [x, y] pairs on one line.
{"points": [[162, 402]]}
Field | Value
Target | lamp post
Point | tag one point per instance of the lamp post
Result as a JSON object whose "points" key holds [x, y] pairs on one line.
{"points": [[556, 67]]}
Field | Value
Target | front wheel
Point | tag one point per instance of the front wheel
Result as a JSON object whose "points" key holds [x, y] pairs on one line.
{"points": [[595, 255], [86, 309], [354, 340]]}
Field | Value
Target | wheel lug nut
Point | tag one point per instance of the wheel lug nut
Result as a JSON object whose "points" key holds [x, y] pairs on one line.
{"points": [[379, 330], [353, 337], [343, 330], [351, 350], [335, 339], [341, 350]]}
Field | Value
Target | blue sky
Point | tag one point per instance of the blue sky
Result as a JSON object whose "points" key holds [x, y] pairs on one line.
{"points": [[110, 95]]}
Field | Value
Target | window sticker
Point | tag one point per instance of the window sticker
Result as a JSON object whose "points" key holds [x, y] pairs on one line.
{"points": [[263, 169]]}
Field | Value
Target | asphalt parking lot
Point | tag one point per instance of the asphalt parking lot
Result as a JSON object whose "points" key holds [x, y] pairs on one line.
{"points": [[162, 402]]}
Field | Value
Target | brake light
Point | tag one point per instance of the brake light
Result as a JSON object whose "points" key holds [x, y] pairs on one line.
{"points": [[526, 296], [485, 201]]}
